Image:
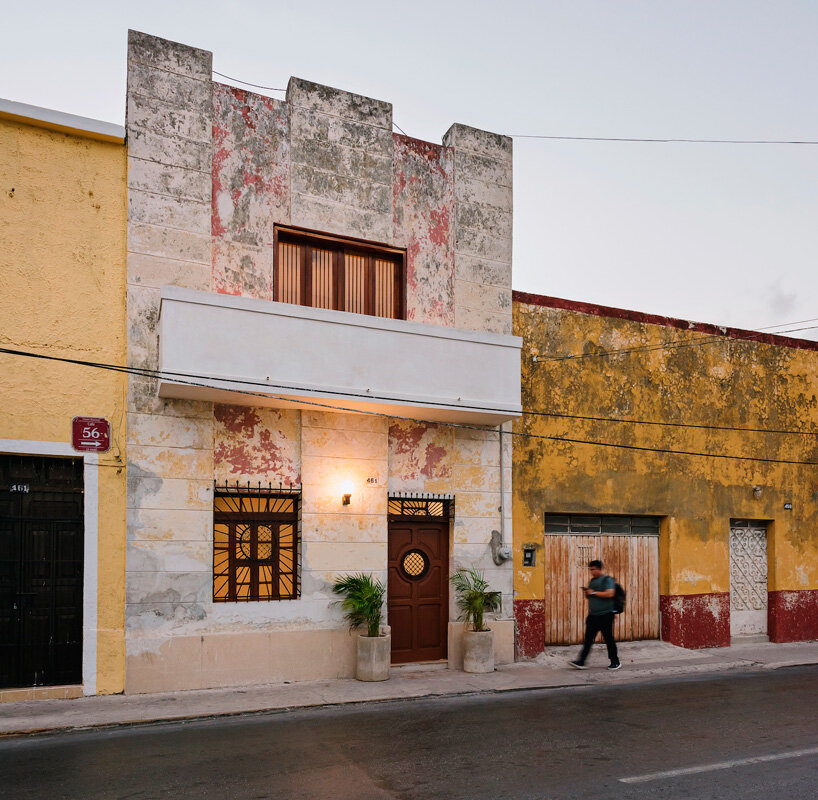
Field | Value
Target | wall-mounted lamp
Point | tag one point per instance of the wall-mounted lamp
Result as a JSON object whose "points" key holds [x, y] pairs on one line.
{"points": [[757, 492], [346, 492]]}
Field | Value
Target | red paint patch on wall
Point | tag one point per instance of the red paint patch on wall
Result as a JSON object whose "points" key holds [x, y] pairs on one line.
{"points": [[256, 444], [695, 621], [423, 203], [529, 620], [793, 615], [250, 182]]}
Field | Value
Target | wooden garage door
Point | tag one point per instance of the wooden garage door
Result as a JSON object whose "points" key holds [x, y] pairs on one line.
{"points": [[629, 550]]}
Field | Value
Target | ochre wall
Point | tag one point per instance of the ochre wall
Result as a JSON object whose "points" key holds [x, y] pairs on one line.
{"points": [[62, 292], [729, 381]]}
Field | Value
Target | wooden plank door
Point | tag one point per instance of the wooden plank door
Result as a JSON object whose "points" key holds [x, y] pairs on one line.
{"points": [[632, 560], [418, 590]]}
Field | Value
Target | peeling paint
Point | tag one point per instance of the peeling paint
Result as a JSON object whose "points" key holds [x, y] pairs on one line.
{"points": [[423, 199], [256, 444], [696, 621]]}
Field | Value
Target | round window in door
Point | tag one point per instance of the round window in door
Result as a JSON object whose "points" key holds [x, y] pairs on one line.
{"points": [[414, 565]]}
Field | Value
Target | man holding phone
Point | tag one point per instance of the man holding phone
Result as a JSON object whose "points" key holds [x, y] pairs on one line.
{"points": [[600, 619]]}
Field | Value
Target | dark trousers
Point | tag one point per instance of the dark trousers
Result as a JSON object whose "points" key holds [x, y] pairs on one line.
{"points": [[599, 623]]}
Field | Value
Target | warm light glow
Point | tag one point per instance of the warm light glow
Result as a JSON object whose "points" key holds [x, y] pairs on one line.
{"points": [[346, 492]]}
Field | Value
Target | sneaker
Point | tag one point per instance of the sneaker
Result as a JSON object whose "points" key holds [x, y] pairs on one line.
{"points": [[617, 665], [577, 665]]}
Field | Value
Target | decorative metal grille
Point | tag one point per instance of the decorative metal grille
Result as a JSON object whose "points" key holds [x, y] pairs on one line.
{"points": [[419, 507], [595, 524], [415, 564], [748, 566], [255, 544]]}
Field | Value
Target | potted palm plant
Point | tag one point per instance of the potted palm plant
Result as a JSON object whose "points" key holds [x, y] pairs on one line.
{"points": [[362, 602], [474, 599]]}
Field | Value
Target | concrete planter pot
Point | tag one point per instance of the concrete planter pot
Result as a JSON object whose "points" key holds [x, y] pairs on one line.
{"points": [[478, 651], [373, 658]]}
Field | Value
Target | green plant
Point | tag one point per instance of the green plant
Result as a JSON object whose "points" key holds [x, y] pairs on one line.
{"points": [[362, 601], [473, 597]]}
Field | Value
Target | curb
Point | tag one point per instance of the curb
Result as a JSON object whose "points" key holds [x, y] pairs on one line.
{"points": [[636, 677]]}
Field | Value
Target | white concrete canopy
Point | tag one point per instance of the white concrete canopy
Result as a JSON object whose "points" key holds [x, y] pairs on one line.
{"points": [[255, 352]]}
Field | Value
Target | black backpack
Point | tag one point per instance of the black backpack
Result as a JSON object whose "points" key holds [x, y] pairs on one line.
{"points": [[618, 599]]}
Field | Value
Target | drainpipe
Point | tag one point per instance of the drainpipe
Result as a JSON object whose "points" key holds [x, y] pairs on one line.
{"points": [[500, 552]]}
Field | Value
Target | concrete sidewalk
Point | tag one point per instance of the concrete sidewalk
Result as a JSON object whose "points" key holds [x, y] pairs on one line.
{"points": [[641, 661]]}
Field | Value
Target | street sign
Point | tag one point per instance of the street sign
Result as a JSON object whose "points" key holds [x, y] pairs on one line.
{"points": [[91, 434]]}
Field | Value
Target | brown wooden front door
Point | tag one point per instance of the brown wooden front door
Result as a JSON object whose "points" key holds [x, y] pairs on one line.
{"points": [[418, 589]]}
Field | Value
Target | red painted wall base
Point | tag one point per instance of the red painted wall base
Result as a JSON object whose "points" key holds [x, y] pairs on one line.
{"points": [[792, 615], [696, 620], [529, 616]]}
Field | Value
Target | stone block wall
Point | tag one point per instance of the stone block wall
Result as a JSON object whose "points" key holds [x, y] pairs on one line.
{"points": [[212, 170]]}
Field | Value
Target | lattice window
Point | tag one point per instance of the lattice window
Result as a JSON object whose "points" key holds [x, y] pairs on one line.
{"points": [[326, 271], [255, 546]]}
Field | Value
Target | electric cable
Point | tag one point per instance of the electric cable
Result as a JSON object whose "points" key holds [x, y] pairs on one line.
{"points": [[158, 374], [659, 141], [247, 83], [676, 344], [667, 424]]}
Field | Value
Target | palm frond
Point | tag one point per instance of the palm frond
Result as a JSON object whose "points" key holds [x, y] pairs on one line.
{"points": [[474, 597], [361, 601]]}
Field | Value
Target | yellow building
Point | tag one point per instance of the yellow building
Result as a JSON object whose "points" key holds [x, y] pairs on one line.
{"points": [[62, 510], [683, 455]]}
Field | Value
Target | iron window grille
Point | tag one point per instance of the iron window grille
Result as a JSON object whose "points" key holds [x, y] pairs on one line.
{"points": [[256, 543], [596, 524], [325, 271]]}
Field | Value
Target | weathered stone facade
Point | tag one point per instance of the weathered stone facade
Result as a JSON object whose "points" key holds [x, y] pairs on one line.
{"points": [[706, 426], [212, 170]]}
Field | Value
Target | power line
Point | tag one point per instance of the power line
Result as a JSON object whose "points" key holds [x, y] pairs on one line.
{"points": [[145, 372], [673, 345], [659, 141], [247, 83], [586, 138], [666, 424]]}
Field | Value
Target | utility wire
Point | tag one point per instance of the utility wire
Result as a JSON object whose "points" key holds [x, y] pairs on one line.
{"points": [[584, 138], [144, 372], [673, 345], [659, 141], [666, 424], [247, 83]]}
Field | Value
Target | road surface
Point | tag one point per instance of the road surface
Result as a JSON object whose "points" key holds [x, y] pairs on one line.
{"points": [[748, 736]]}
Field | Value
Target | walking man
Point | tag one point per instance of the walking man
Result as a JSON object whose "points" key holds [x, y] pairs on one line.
{"points": [[600, 619]]}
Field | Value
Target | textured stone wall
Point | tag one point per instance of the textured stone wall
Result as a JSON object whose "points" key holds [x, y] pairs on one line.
{"points": [[423, 198], [170, 443], [341, 154], [482, 228], [212, 170], [251, 188]]}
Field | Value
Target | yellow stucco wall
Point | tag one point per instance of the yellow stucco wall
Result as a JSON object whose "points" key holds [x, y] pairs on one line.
{"points": [[731, 382], [62, 292]]}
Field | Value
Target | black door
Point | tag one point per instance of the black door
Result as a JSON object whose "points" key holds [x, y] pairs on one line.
{"points": [[41, 557]]}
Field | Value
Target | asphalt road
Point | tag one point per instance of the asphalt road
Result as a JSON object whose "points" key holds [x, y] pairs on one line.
{"points": [[637, 741]]}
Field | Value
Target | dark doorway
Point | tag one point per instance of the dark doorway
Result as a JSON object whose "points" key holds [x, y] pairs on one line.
{"points": [[41, 566], [418, 587]]}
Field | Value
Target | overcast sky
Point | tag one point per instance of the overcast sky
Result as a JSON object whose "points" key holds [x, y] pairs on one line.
{"points": [[718, 233]]}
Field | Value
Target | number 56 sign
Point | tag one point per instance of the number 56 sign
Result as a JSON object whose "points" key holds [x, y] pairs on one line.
{"points": [[91, 434]]}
